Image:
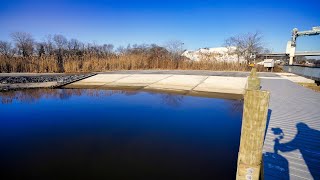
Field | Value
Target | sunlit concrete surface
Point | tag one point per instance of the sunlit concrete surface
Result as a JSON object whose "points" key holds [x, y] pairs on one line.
{"points": [[139, 80], [167, 82], [183, 81], [178, 82], [100, 79], [295, 78], [221, 84]]}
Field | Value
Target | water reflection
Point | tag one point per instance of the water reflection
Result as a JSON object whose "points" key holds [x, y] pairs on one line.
{"points": [[81, 133], [172, 100], [33, 95]]}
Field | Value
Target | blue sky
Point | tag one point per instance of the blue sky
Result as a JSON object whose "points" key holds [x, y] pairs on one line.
{"points": [[197, 23]]}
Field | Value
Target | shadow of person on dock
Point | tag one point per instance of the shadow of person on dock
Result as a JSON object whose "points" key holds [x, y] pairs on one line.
{"points": [[274, 164], [307, 141]]}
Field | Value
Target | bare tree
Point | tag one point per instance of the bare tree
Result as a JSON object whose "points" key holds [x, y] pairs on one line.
{"points": [[61, 44], [108, 48], [254, 44], [24, 42], [48, 45], [121, 50], [175, 47], [244, 45], [73, 45], [6, 49], [60, 41], [40, 50]]}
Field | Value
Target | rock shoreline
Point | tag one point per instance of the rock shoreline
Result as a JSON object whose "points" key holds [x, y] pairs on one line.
{"points": [[41, 81]]}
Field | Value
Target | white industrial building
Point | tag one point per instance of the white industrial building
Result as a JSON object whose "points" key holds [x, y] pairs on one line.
{"points": [[222, 54]]}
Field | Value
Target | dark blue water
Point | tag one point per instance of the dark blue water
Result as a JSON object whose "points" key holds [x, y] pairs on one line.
{"points": [[88, 134]]}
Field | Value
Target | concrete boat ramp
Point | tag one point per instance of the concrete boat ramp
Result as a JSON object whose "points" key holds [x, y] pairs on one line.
{"points": [[292, 142], [184, 84]]}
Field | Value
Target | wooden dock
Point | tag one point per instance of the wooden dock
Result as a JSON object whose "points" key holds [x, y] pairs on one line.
{"points": [[292, 143]]}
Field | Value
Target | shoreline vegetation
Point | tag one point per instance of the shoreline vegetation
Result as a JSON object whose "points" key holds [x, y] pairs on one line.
{"points": [[93, 63], [57, 54]]}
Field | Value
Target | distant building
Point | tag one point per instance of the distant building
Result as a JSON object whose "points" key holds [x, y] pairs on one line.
{"points": [[279, 61], [222, 54]]}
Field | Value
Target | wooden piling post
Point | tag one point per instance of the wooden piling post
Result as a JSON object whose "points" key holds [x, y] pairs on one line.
{"points": [[254, 120], [253, 72], [253, 83], [253, 80]]}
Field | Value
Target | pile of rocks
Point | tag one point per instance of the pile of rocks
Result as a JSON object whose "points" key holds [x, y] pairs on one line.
{"points": [[12, 82]]}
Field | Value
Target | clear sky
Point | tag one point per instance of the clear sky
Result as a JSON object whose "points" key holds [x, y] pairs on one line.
{"points": [[197, 23]]}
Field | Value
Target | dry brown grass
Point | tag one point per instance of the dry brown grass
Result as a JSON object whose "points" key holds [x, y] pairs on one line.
{"points": [[90, 63], [312, 86]]}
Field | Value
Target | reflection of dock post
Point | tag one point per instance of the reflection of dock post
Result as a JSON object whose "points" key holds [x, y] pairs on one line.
{"points": [[255, 111]]}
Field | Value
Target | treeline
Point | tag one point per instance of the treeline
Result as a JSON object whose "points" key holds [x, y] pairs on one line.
{"points": [[56, 53]]}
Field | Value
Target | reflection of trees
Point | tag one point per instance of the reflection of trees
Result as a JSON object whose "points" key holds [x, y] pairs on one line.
{"points": [[127, 93], [32, 95], [172, 99], [64, 94]]}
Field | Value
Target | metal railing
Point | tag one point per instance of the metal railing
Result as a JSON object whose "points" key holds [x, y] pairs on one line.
{"points": [[308, 72]]}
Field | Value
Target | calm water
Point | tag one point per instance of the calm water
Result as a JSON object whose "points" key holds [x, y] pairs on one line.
{"points": [[86, 134]]}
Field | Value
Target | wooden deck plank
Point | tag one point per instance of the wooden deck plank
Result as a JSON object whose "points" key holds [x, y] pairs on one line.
{"points": [[295, 111]]}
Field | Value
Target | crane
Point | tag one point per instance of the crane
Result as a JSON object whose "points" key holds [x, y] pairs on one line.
{"points": [[291, 45]]}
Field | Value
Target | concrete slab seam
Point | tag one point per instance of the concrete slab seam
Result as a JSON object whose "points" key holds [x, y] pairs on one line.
{"points": [[158, 81], [114, 81], [199, 83]]}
